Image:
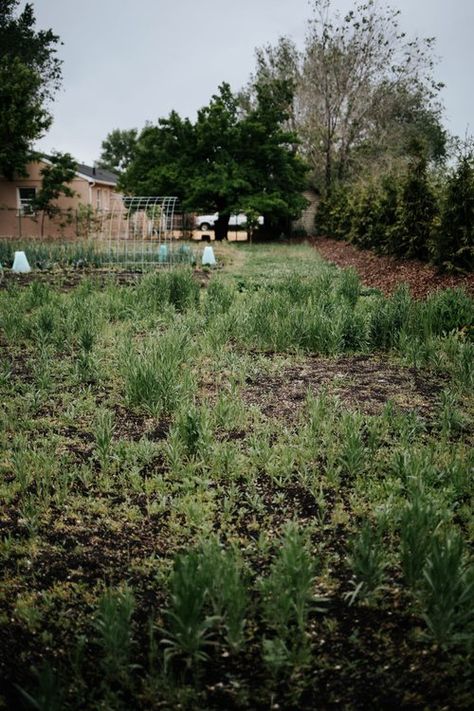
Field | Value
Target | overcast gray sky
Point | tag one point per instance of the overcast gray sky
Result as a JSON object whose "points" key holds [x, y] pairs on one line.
{"points": [[126, 62]]}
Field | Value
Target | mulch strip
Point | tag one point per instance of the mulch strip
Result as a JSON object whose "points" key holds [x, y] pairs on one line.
{"points": [[387, 273]]}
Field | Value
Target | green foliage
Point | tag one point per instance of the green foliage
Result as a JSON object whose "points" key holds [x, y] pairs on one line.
{"points": [[118, 150], [114, 632], [349, 286], [368, 563], [30, 73], [193, 429], [417, 212], [406, 215], [177, 287], [389, 317], [104, 430], [446, 311], [248, 165], [219, 297], [56, 174], [250, 440], [227, 591], [448, 594], [189, 629], [418, 522], [353, 452], [48, 695], [206, 592], [287, 598], [153, 375], [334, 214], [454, 245]]}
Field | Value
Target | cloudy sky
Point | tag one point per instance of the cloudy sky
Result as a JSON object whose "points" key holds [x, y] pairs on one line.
{"points": [[126, 62]]}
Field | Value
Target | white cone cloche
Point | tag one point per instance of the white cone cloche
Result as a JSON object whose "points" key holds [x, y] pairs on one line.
{"points": [[20, 263], [208, 258]]}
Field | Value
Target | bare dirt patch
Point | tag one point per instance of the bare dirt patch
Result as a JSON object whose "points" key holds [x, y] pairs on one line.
{"points": [[67, 279], [364, 383]]}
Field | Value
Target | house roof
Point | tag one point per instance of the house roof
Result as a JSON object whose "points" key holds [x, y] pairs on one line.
{"points": [[91, 173], [98, 175]]}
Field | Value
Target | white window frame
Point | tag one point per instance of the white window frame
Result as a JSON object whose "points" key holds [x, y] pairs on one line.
{"points": [[24, 204]]}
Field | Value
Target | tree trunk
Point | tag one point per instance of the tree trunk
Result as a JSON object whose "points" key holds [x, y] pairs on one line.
{"points": [[221, 227]]}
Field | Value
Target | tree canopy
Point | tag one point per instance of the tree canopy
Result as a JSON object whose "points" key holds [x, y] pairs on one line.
{"points": [[30, 73], [118, 150], [227, 161], [364, 93]]}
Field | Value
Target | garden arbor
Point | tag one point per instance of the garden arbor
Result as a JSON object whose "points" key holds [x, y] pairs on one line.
{"points": [[139, 229]]}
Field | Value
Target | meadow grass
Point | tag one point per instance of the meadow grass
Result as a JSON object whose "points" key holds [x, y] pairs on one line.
{"points": [[230, 488]]}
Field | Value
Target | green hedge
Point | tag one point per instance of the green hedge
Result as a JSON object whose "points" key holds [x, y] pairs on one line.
{"points": [[410, 215]]}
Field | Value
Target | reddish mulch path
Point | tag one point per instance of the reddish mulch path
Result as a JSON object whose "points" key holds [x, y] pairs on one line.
{"points": [[386, 273]]}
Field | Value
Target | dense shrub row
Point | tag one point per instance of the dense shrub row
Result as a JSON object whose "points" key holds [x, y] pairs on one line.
{"points": [[410, 216]]}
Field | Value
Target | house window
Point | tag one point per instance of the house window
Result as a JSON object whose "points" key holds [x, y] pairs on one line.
{"points": [[25, 200], [99, 198]]}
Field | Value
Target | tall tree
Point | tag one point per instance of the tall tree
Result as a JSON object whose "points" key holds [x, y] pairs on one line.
{"points": [[118, 149], [226, 161], [353, 67], [277, 67], [163, 160], [30, 73], [363, 92]]}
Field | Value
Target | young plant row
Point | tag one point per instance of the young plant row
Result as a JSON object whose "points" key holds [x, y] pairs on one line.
{"points": [[217, 608]]}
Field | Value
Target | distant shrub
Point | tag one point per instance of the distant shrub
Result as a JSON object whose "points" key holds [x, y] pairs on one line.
{"points": [[409, 215], [454, 243]]}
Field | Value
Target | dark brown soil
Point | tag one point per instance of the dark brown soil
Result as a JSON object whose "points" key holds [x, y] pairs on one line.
{"points": [[67, 279], [364, 383]]}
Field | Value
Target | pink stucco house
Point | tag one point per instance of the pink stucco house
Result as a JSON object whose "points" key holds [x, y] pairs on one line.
{"points": [[94, 190]]}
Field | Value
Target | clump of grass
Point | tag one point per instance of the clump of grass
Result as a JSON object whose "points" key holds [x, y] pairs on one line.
{"points": [[451, 421], [154, 377], [353, 451], [389, 317], [448, 593], [176, 287], [418, 523], [104, 431], [227, 591], [114, 633], [349, 286], [206, 591], [287, 599], [368, 562], [193, 428], [48, 694], [219, 298]]}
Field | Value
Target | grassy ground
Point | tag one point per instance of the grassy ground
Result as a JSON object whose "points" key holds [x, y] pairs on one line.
{"points": [[242, 489]]}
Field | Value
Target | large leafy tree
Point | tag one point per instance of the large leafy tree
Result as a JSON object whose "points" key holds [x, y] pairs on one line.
{"points": [[162, 163], [118, 150], [30, 73], [360, 74], [227, 161], [363, 92]]}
